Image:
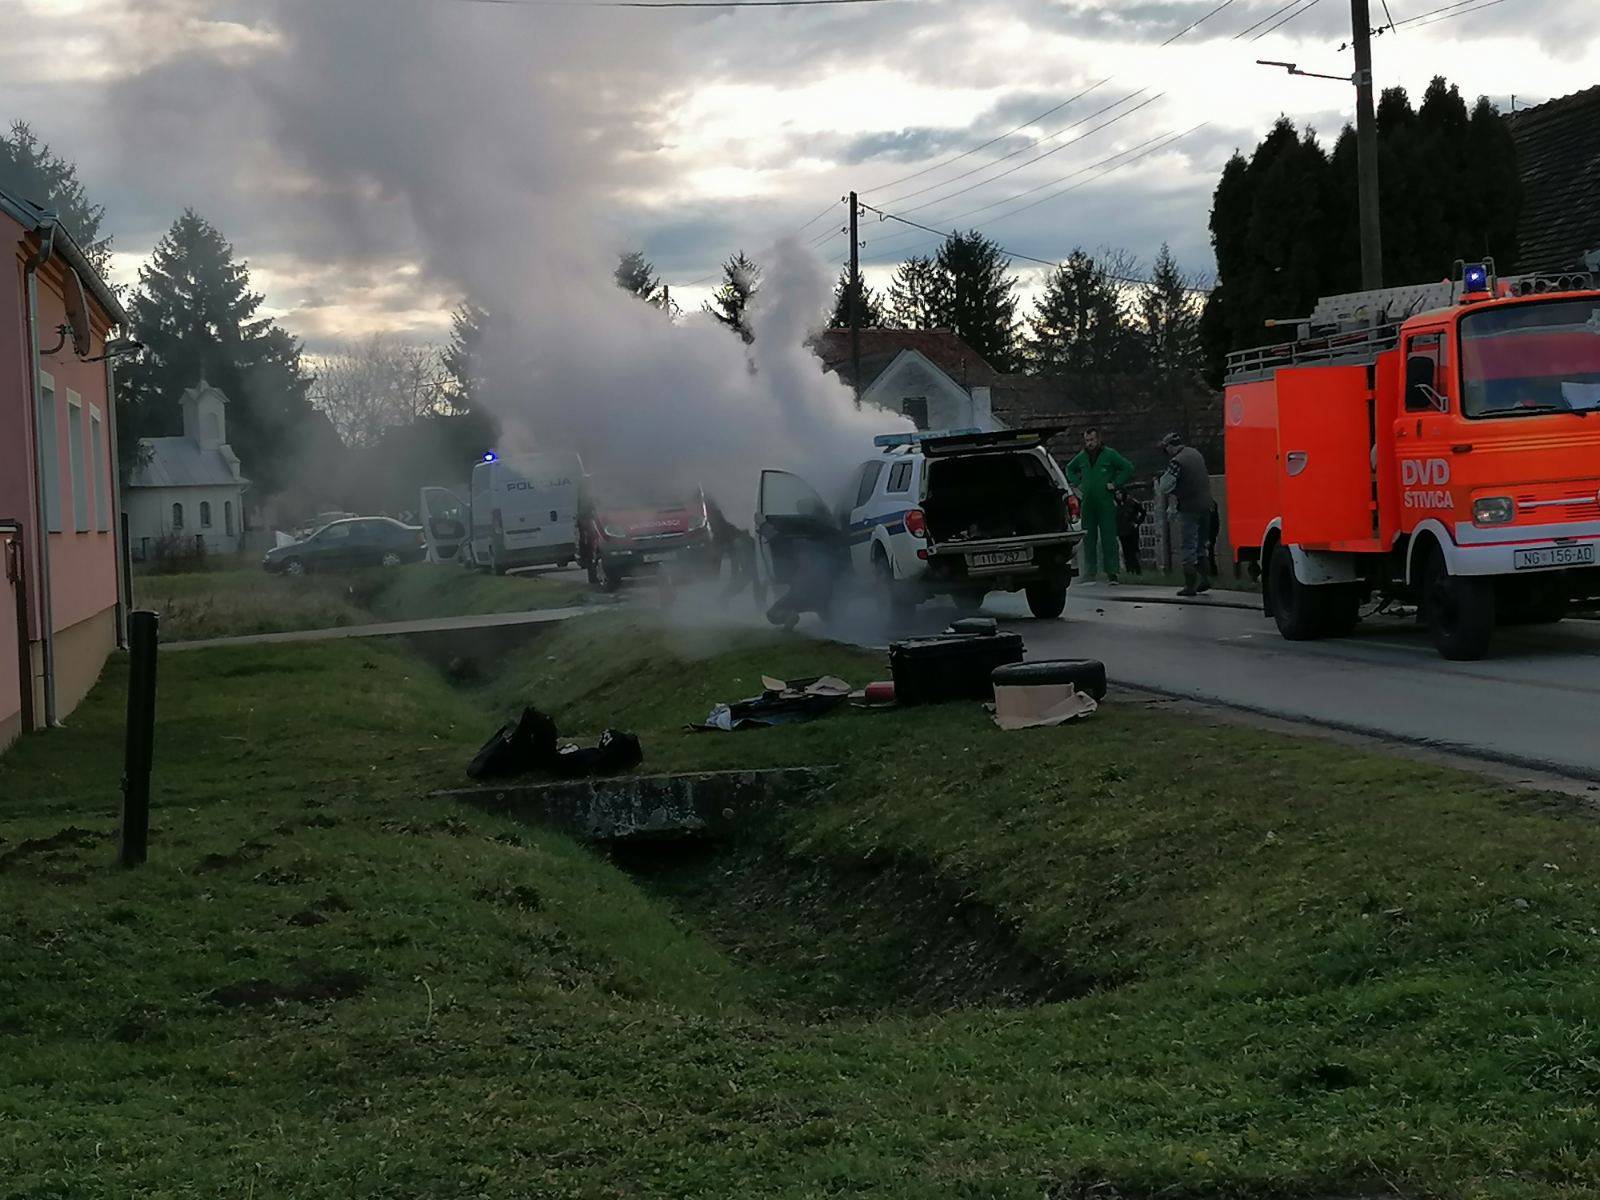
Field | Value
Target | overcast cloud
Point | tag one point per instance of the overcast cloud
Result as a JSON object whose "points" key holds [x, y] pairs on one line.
{"points": [[690, 134]]}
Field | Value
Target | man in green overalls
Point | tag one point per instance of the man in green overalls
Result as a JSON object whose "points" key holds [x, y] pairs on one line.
{"points": [[1097, 472]]}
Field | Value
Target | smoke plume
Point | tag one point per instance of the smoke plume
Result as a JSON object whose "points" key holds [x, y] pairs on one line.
{"points": [[491, 145]]}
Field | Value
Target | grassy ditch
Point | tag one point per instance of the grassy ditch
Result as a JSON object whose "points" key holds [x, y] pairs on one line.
{"points": [[245, 600], [1146, 953]]}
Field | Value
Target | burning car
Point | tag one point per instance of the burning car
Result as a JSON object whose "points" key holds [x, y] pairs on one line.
{"points": [[957, 514], [631, 532]]}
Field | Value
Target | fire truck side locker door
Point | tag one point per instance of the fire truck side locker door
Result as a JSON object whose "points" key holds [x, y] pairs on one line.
{"points": [[1325, 454]]}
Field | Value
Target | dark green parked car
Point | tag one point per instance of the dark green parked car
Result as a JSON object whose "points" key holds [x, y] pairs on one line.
{"points": [[343, 545]]}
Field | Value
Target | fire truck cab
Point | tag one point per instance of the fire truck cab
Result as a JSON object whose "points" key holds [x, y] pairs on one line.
{"points": [[1435, 445]]}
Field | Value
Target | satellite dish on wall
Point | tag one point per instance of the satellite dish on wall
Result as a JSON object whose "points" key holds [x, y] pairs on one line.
{"points": [[77, 305]]}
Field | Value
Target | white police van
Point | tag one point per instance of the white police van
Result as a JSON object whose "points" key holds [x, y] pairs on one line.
{"points": [[523, 512], [957, 514]]}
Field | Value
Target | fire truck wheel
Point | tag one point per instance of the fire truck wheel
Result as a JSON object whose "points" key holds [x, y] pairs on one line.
{"points": [[1459, 609], [1302, 612]]}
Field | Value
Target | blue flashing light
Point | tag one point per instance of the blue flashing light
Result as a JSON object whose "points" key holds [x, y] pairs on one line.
{"points": [[889, 440], [1475, 278], [489, 456]]}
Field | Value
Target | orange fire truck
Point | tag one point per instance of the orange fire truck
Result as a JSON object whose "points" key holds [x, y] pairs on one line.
{"points": [[1435, 445]]}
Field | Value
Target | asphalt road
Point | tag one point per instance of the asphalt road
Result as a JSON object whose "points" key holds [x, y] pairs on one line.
{"points": [[1535, 702]]}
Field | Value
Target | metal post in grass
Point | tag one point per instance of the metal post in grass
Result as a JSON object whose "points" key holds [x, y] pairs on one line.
{"points": [[140, 749]]}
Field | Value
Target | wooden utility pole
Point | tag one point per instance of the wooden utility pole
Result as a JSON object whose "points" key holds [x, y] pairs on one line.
{"points": [[855, 304], [1366, 149]]}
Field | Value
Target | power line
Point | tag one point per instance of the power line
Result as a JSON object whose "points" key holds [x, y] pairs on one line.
{"points": [[675, 3], [1128, 159], [1433, 12], [1274, 13], [1103, 166], [1043, 262], [1299, 12], [984, 146], [1196, 25], [1420, 23], [1037, 158]]}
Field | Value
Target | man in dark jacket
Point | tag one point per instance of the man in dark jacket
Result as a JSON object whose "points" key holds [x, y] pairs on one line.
{"points": [[1189, 483], [1097, 471]]}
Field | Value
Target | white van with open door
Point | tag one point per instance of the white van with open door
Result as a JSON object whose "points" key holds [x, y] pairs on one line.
{"points": [[524, 511]]}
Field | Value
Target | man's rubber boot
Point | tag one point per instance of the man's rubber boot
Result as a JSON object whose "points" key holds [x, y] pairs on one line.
{"points": [[1188, 588], [1204, 585]]}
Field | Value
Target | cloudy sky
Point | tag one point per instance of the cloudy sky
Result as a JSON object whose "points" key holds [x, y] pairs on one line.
{"points": [[692, 132]]}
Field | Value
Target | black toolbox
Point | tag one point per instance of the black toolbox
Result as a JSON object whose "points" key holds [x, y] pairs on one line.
{"points": [[927, 670]]}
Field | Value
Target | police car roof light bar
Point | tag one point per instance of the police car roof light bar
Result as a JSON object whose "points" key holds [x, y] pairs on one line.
{"points": [[887, 440]]}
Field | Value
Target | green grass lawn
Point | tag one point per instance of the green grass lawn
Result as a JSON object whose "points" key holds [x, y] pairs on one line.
{"points": [[1145, 952], [230, 601]]}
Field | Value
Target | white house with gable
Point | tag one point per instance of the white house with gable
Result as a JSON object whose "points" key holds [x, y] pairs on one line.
{"points": [[929, 375], [188, 486]]}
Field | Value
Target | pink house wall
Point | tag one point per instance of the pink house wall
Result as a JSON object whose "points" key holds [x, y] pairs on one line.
{"points": [[83, 565]]}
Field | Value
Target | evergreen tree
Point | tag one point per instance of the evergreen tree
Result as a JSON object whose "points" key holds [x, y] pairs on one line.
{"points": [[983, 303], [196, 315], [919, 296], [1081, 321], [635, 274], [1169, 317], [30, 169], [871, 306], [464, 386], [741, 279]]}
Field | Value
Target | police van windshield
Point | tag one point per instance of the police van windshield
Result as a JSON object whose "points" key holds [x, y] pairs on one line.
{"points": [[1527, 359]]}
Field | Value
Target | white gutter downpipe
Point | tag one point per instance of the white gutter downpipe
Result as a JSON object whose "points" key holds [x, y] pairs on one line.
{"points": [[41, 505]]}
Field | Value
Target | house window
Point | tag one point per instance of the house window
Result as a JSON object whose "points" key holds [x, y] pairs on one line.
{"points": [[48, 452], [205, 514], [99, 472], [916, 407], [177, 516], [227, 517], [80, 479]]}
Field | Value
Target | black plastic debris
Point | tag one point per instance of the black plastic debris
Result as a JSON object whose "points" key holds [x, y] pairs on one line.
{"points": [[531, 743], [928, 670], [782, 703]]}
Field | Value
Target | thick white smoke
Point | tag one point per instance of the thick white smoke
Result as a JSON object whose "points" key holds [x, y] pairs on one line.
{"points": [[492, 143]]}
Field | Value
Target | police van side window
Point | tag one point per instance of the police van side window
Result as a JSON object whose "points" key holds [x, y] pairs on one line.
{"points": [[899, 478], [869, 482], [1424, 387]]}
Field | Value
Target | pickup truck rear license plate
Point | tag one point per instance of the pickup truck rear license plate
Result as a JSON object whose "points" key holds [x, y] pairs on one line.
{"points": [[1553, 556], [657, 558], [1000, 558]]}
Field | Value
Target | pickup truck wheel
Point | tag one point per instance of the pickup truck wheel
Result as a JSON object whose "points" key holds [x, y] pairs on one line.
{"points": [[592, 569], [902, 602], [1047, 598], [1459, 609], [610, 580]]}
